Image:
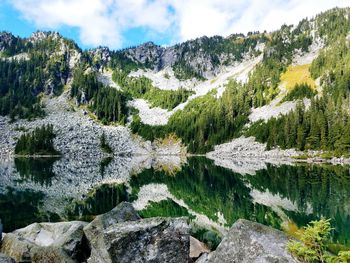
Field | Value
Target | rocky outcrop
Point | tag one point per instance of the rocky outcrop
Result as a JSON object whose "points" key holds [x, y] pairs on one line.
{"points": [[147, 240], [203, 258], [148, 53], [6, 40], [193, 54], [46, 242], [246, 155], [248, 242], [120, 236], [249, 148], [100, 57], [123, 212], [43, 35]]}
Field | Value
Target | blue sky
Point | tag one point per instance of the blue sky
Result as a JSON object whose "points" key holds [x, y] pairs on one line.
{"points": [[124, 23]]}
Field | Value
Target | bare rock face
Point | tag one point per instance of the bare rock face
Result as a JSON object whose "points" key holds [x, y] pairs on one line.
{"points": [[121, 213], [6, 40], [96, 229], [147, 53], [121, 236], [46, 242], [248, 242], [148, 240], [204, 258]]}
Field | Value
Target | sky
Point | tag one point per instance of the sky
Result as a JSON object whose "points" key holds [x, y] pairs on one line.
{"points": [[124, 23]]}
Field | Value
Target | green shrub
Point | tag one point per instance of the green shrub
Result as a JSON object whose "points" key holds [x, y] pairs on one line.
{"points": [[313, 246]]}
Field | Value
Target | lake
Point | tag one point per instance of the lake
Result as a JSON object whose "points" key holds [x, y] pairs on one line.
{"points": [[213, 197]]}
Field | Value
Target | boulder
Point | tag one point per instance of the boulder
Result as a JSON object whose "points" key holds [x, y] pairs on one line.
{"points": [[94, 231], [46, 242], [251, 242], [147, 240], [121, 236], [121, 213], [197, 248], [204, 258], [6, 259]]}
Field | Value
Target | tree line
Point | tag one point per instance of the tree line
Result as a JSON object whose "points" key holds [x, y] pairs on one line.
{"points": [[106, 102], [37, 142]]}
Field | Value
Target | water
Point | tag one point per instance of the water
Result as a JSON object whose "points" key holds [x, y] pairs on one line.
{"points": [[285, 197]]}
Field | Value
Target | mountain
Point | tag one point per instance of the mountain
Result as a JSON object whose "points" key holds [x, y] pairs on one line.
{"points": [[287, 89]]}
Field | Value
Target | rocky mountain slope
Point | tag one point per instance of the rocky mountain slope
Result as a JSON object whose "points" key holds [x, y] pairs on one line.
{"points": [[206, 91]]}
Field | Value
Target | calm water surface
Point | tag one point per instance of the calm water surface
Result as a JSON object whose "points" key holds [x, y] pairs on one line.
{"points": [[285, 197]]}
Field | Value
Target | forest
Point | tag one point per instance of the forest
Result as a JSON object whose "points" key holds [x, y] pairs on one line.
{"points": [[23, 80], [325, 124], [107, 103], [20, 82], [205, 121], [37, 142]]}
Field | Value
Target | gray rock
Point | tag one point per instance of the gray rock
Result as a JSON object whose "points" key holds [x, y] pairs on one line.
{"points": [[121, 236], [147, 240], [192, 54], [6, 259], [94, 231], [121, 213], [204, 258], [46, 242], [252, 242]]}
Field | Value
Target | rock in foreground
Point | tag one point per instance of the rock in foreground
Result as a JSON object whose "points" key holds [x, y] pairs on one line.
{"points": [[95, 230], [248, 242], [124, 237], [46, 242]]}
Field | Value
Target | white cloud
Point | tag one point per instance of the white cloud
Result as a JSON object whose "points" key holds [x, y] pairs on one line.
{"points": [[90, 16], [103, 22], [224, 17]]}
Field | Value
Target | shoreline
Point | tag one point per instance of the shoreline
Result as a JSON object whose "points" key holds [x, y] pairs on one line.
{"points": [[333, 160]]}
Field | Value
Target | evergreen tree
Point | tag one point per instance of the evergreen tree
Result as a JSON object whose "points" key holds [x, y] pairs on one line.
{"points": [[38, 142]]}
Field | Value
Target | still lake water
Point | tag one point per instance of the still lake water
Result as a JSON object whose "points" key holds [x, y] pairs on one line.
{"points": [[286, 196]]}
